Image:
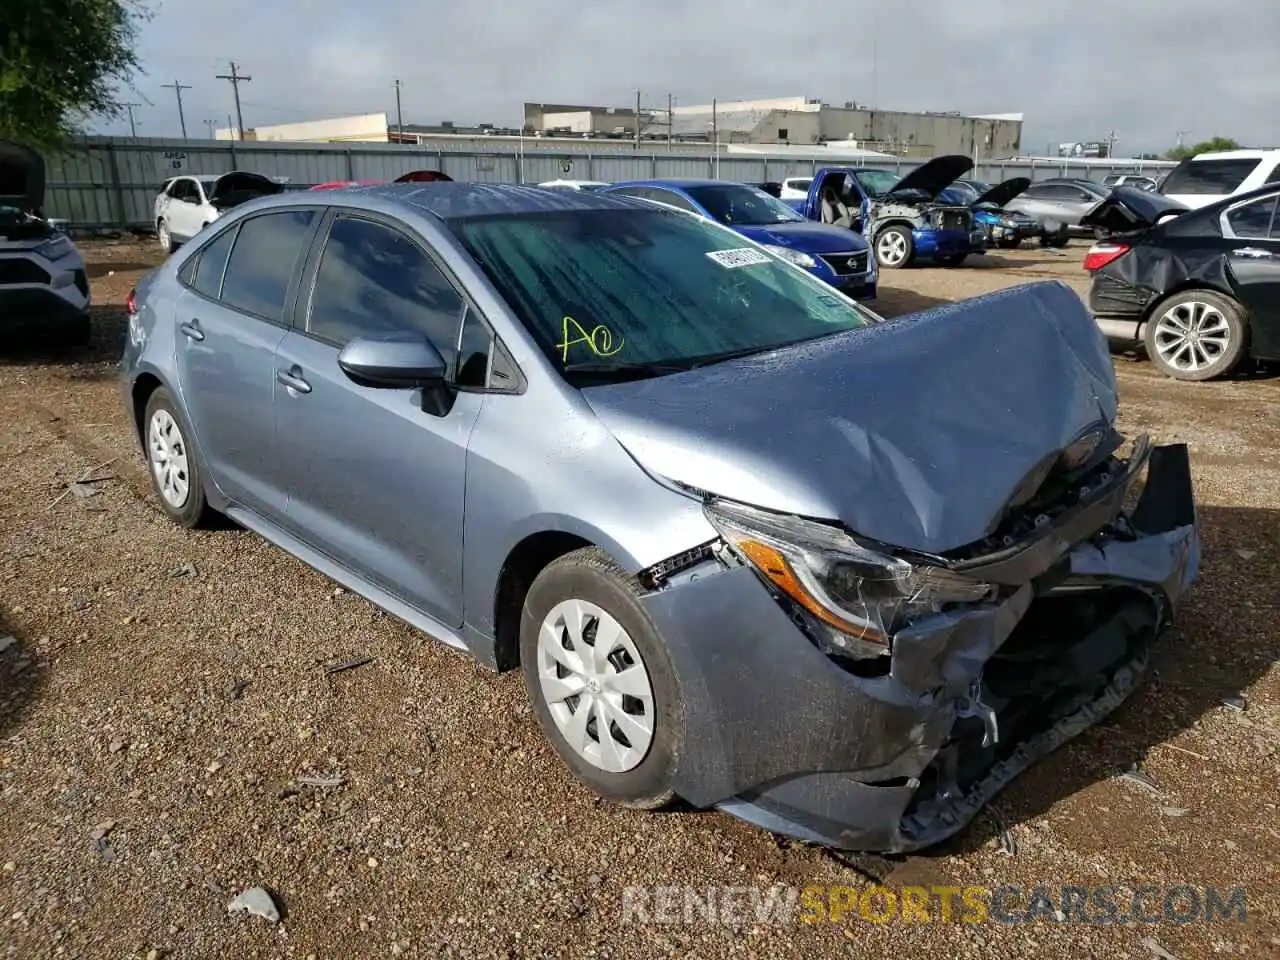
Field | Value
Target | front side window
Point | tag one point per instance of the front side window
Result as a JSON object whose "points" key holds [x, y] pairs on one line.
{"points": [[620, 291], [737, 205], [266, 256], [372, 280], [1253, 220], [1211, 177]]}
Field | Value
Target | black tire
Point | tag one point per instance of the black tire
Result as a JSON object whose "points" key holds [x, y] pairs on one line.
{"points": [[1010, 243], [590, 575], [195, 510], [903, 232], [1060, 241], [1237, 335]]}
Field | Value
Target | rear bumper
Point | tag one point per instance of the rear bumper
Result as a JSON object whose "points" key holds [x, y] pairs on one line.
{"points": [[41, 309], [783, 736]]}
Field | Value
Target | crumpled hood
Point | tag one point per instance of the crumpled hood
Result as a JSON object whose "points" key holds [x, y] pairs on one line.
{"points": [[915, 432], [1127, 209], [806, 237]]}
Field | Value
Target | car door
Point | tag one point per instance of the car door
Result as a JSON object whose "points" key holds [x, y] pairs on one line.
{"points": [[374, 481], [230, 319], [184, 214], [1252, 230]]}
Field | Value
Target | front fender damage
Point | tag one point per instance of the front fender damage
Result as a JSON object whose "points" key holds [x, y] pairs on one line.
{"points": [[777, 732]]}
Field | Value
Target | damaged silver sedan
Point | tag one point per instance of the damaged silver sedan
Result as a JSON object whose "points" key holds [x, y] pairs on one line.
{"points": [[750, 545]]}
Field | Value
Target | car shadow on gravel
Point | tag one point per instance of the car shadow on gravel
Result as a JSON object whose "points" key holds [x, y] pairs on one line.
{"points": [[95, 360], [21, 677], [1220, 648], [896, 302]]}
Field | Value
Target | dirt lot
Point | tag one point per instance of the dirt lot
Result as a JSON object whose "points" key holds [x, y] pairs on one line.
{"points": [[164, 689]]}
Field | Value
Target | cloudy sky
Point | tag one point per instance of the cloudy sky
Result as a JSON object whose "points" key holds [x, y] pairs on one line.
{"points": [[1076, 69]]}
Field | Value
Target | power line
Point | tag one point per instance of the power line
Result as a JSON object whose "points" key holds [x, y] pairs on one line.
{"points": [[177, 87], [236, 79]]}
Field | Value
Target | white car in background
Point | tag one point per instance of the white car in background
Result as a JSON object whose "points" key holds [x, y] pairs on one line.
{"points": [[188, 204], [1209, 177], [795, 188], [574, 184]]}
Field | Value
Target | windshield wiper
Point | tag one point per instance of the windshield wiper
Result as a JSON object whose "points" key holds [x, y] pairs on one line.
{"points": [[624, 369]]}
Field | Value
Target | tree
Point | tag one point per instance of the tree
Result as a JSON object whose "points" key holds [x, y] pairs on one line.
{"points": [[63, 62], [1207, 146]]}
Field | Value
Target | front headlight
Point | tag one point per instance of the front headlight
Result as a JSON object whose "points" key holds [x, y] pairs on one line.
{"points": [[862, 594], [55, 247], [792, 256]]}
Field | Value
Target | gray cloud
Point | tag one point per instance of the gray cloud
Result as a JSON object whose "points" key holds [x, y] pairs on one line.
{"points": [[1076, 70]]}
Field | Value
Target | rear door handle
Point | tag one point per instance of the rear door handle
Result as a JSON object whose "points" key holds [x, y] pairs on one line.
{"points": [[192, 329], [292, 378], [1254, 253]]}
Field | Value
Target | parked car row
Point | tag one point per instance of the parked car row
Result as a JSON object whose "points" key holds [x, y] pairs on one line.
{"points": [[749, 544]]}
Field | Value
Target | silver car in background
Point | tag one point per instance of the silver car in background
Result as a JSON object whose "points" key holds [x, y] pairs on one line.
{"points": [[1060, 202], [750, 545]]}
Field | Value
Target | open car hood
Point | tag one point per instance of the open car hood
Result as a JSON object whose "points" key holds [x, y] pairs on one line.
{"points": [[21, 177], [240, 186], [1129, 209], [919, 432], [933, 177], [1002, 193]]}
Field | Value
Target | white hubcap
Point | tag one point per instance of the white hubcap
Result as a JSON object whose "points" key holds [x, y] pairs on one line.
{"points": [[169, 459], [892, 248], [164, 235], [596, 686], [1192, 335]]}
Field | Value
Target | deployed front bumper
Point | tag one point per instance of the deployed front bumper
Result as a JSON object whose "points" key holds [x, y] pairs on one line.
{"points": [[781, 735]]}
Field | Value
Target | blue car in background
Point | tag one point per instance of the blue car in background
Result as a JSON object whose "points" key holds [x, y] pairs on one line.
{"points": [[838, 256], [1005, 229]]}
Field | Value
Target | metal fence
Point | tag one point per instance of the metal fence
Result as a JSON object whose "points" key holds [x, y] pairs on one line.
{"points": [[108, 182]]}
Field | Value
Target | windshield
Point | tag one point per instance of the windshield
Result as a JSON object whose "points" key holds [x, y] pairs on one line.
{"points": [[633, 293], [738, 205], [877, 182]]}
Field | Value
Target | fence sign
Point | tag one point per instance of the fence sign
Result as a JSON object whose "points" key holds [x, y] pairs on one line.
{"points": [[173, 161]]}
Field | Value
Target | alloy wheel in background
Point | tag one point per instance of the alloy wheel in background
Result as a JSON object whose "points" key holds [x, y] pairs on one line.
{"points": [[167, 452], [596, 686], [1197, 335]]}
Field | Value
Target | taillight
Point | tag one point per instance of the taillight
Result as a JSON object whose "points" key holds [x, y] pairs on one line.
{"points": [[1101, 254], [131, 304]]}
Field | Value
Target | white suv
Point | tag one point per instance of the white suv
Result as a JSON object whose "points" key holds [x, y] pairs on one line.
{"points": [[1209, 177], [188, 204]]}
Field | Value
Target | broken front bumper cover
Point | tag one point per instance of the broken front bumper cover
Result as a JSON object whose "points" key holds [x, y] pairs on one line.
{"points": [[779, 734]]}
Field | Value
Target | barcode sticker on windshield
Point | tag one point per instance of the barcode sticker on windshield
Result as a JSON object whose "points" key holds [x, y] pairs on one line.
{"points": [[743, 257]]}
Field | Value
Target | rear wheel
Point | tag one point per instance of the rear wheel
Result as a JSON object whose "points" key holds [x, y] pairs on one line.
{"points": [[1196, 335], [174, 465], [600, 680], [894, 247]]}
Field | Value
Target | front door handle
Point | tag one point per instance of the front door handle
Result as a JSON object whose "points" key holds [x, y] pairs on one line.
{"points": [[1254, 253], [292, 378], [192, 329]]}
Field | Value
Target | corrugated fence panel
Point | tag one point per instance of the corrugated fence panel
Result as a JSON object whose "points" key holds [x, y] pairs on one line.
{"points": [[111, 182]]}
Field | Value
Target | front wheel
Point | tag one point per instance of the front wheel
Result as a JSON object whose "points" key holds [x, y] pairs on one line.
{"points": [[600, 680], [1196, 335], [894, 247]]}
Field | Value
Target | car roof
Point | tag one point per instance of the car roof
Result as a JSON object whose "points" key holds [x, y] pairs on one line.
{"points": [[450, 200], [1237, 155], [680, 183]]}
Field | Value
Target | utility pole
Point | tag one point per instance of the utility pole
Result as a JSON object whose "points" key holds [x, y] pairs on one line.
{"points": [[670, 107], [399, 115], [133, 127], [1111, 144], [715, 140], [177, 87], [1181, 134], [637, 119], [210, 125], [236, 79]]}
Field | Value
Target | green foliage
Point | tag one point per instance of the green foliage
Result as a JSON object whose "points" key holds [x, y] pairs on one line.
{"points": [[1207, 146], [62, 62]]}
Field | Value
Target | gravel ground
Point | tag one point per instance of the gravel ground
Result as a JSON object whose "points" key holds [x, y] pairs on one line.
{"points": [[164, 690]]}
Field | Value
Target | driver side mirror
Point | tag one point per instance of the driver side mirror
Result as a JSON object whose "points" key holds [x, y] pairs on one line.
{"points": [[400, 361]]}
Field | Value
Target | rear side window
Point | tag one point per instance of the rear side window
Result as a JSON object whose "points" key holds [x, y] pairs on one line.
{"points": [[1253, 220], [264, 261], [211, 263], [1274, 175], [373, 279], [1211, 177], [672, 199]]}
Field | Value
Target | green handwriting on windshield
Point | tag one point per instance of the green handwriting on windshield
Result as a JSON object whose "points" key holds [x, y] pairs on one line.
{"points": [[599, 341]]}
